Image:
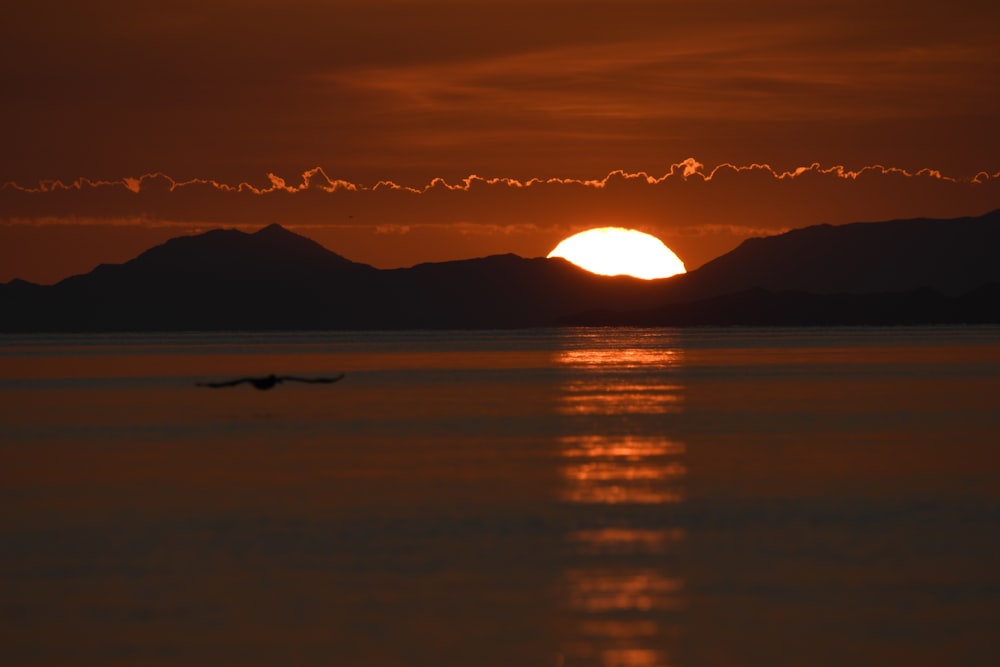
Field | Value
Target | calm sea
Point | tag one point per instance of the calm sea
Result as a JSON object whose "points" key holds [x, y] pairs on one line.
{"points": [[578, 497]]}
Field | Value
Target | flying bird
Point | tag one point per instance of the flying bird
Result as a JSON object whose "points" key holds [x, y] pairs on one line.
{"points": [[269, 381]]}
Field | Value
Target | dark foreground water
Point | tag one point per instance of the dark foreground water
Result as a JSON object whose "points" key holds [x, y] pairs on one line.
{"points": [[622, 498]]}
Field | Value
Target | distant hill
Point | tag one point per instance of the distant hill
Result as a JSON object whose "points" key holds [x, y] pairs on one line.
{"points": [[277, 280], [950, 256], [907, 271]]}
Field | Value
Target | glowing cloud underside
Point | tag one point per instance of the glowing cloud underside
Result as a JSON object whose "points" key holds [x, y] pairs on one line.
{"points": [[615, 251], [317, 179]]}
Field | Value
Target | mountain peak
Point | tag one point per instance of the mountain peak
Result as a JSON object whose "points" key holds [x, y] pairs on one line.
{"points": [[270, 253], [274, 229], [277, 239]]}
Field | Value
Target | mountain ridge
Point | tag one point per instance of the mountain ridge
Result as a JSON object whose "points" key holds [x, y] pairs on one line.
{"points": [[949, 255], [276, 279]]}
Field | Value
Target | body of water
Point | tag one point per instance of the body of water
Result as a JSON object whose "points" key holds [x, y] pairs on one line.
{"points": [[574, 497]]}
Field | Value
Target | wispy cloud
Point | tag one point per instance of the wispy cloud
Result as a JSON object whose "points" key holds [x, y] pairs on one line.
{"points": [[316, 180], [789, 69]]}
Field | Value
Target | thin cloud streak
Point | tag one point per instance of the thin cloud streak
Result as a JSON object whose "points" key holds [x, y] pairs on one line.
{"points": [[316, 179], [774, 70]]}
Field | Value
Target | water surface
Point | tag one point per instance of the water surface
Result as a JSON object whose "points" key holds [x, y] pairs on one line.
{"points": [[611, 497]]}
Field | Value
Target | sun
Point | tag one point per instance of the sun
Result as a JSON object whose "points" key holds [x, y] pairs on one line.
{"points": [[616, 251]]}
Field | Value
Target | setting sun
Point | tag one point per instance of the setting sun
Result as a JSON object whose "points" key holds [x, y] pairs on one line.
{"points": [[616, 251]]}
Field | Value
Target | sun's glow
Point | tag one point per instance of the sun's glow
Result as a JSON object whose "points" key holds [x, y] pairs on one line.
{"points": [[616, 251]]}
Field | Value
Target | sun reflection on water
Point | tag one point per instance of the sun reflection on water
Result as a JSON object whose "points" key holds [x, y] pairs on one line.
{"points": [[626, 541], [619, 465], [615, 397], [621, 358], [624, 591], [612, 470], [627, 448]]}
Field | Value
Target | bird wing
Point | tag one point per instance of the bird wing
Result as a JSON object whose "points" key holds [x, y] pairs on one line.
{"points": [[292, 378], [227, 383]]}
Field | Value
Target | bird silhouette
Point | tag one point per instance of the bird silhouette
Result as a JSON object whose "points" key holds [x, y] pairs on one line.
{"points": [[269, 381]]}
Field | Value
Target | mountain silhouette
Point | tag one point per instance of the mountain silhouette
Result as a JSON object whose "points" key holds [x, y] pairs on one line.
{"points": [[896, 272], [950, 256], [277, 280]]}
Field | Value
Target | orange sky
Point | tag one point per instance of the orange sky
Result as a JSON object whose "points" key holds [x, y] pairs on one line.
{"points": [[360, 123]]}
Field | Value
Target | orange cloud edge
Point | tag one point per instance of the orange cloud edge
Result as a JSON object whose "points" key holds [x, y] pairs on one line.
{"points": [[317, 179]]}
